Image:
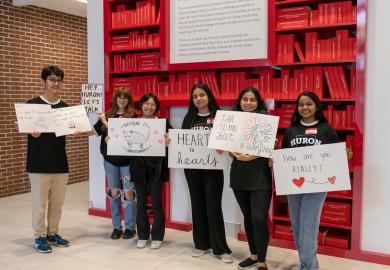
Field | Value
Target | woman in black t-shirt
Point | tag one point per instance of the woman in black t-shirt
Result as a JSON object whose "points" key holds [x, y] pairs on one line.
{"points": [[205, 186], [251, 181], [308, 127], [117, 167], [149, 172]]}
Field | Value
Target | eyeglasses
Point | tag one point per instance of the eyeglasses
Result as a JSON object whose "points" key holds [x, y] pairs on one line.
{"points": [[123, 98], [55, 81]]}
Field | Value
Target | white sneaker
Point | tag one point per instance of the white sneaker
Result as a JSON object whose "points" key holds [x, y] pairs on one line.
{"points": [[226, 258], [198, 252], [142, 243], [155, 244]]}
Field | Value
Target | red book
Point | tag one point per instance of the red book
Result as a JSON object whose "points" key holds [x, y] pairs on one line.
{"points": [[337, 239], [298, 49], [337, 82], [293, 10], [285, 77], [329, 82], [353, 83], [350, 116], [333, 13], [318, 81], [340, 71], [330, 110]]}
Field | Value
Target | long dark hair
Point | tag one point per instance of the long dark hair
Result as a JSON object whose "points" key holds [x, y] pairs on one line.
{"points": [[213, 106], [129, 109], [146, 97], [319, 115], [260, 102]]}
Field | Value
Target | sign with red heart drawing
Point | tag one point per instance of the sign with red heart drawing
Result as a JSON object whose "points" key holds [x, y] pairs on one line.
{"points": [[311, 169]]}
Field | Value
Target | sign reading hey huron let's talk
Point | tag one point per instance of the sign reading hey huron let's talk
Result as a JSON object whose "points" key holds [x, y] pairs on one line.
{"points": [[311, 169], [188, 149], [249, 133], [92, 97], [136, 137]]}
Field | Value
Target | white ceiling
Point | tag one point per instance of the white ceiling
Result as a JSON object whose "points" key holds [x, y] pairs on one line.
{"points": [[73, 7]]}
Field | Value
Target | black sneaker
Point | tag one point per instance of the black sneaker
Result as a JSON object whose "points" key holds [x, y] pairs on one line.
{"points": [[246, 264], [116, 234], [128, 234]]}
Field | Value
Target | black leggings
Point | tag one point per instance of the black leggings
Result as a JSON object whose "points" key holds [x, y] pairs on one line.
{"points": [[206, 188], [255, 205]]}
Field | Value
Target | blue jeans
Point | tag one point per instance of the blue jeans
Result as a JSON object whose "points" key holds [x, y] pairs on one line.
{"points": [[116, 174], [305, 212]]}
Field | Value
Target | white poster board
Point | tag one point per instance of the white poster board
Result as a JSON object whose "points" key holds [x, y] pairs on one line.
{"points": [[214, 30], [249, 133], [34, 117], [188, 149], [311, 169], [92, 97], [136, 137], [69, 120]]}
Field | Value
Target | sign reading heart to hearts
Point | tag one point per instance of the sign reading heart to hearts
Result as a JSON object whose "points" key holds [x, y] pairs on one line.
{"points": [[332, 180], [299, 182]]}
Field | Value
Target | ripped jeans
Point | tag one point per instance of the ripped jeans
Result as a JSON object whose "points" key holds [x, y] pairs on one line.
{"points": [[116, 195]]}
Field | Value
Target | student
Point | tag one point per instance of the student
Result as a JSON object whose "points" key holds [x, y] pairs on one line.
{"points": [[47, 167], [308, 121], [205, 186], [153, 172], [251, 181], [117, 167]]}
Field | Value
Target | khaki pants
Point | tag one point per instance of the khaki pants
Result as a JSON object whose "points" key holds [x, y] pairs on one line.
{"points": [[47, 189]]}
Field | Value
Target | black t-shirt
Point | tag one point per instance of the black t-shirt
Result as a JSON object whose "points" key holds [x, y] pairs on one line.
{"points": [[46, 154], [306, 135], [251, 175], [101, 130], [199, 122]]}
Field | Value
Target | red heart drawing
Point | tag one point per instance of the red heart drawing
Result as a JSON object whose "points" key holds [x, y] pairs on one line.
{"points": [[299, 182], [112, 129], [155, 132], [160, 141], [220, 152], [332, 179]]}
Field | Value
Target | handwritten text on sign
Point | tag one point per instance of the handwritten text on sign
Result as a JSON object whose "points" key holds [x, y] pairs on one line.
{"points": [[68, 120], [136, 137], [42, 118], [34, 117], [311, 169], [92, 97], [249, 133], [188, 149]]}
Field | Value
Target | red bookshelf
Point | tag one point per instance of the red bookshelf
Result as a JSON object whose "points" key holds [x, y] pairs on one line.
{"points": [[323, 37]]}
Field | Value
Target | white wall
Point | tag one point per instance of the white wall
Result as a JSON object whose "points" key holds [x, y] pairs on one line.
{"points": [[376, 184], [95, 75]]}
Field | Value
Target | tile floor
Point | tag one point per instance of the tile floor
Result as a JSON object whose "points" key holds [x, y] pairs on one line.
{"points": [[92, 249]]}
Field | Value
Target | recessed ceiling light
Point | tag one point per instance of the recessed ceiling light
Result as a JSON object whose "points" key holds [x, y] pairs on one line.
{"points": [[82, 1]]}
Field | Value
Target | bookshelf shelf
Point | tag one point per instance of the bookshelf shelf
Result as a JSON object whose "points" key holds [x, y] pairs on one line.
{"points": [[318, 27], [135, 27], [350, 61]]}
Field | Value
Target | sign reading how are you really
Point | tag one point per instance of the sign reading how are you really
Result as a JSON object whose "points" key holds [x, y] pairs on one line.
{"points": [[311, 169], [249, 133], [188, 149]]}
